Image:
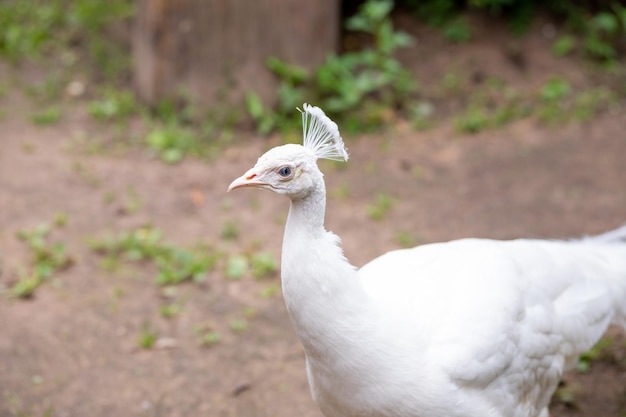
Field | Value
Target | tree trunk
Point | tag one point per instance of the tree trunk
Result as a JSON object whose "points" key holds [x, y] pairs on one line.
{"points": [[214, 51]]}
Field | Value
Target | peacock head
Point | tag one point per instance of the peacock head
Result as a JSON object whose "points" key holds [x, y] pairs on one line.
{"points": [[292, 169]]}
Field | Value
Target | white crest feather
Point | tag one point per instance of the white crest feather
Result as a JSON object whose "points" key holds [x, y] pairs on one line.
{"points": [[321, 135]]}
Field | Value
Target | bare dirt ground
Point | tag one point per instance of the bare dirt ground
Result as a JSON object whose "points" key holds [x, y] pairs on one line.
{"points": [[72, 349]]}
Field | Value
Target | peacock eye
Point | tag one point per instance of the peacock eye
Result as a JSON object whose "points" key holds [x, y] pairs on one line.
{"points": [[284, 172]]}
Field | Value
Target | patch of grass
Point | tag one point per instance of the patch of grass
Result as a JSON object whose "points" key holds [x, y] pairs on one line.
{"points": [[147, 336], [564, 45], [380, 207], [169, 311], [263, 264], [601, 351], [230, 231], [46, 259], [236, 267], [421, 114], [113, 104], [36, 30], [174, 265], [207, 336], [474, 120], [259, 265], [555, 89], [405, 239], [239, 325], [567, 395], [270, 291], [457, 30], [174, 140], [47, 116]]}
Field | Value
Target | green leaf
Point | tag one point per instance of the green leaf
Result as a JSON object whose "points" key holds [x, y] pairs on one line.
{"points": [[254, 105], [236, 267], [564, 45]]}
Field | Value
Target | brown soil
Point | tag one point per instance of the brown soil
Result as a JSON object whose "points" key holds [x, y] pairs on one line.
{"points": [[72, 349]]}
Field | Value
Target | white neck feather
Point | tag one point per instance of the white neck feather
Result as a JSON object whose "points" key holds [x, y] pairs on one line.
{"points": [[321, 288]]}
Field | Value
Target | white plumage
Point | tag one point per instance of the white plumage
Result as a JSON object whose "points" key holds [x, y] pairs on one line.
{"points": [[471, 327]]}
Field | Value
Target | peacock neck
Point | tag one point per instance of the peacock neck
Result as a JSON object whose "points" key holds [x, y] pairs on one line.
{"points": [[321, 289], [306, 215]]}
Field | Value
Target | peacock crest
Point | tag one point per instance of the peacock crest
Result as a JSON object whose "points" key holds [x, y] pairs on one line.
{"points": [[321, 135]]}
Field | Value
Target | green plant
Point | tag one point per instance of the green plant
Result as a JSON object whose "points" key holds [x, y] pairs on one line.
{"points": [[405, 239], [360, 87], [473, 120], [179, 265], [46, 259], [601, 350], [174, 265], [263, 264], [457, 30], [346, 80], [170, 310], [113, 104], [380, 207], [238, 325], [236, 266], [47, 116], [564, 45], [147, 336], [230, 231], [555, 89], [207, 336], [35, 29], [171, 143]]}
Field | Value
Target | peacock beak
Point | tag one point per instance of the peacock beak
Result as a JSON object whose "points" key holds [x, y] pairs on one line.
{"points": [[249, 179]]}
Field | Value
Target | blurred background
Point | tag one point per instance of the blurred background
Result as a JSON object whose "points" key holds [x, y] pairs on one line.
{"points": [[131, 284]]}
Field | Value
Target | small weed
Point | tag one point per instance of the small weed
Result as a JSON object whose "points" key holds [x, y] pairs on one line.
{"points": [[47, 116], [147, 337], [263, 265], [177, 265], [270, 291], [60, 219], [555, 89], [236, 267], [207, 336], [567, 395], [172, 142], [457, 31], [238, 325], [174, 264], [601, 350], [405, 239], [114, 105], [381, 206], [169, 311], [340, 192], [421, 115], [46, 259], [26, 285], [474, 120], [230, 231], [564, 45]]}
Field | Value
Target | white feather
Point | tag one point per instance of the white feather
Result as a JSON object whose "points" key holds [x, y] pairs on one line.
{"points": [[321, 135]]}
